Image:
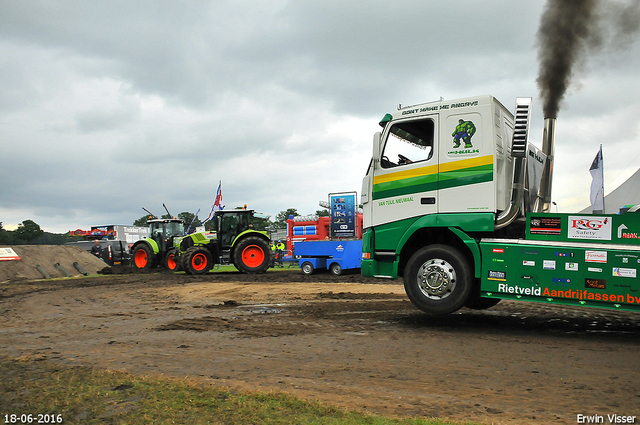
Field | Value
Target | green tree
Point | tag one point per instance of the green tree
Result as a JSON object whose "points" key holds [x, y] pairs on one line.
{"points": [[323, 213], [261, 222], [281, 218], [28, 230], [142, 221], [188, 217], [5, 235]]}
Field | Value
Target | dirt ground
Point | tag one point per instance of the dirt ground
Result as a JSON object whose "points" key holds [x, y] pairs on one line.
{"points": [[348, 341]]}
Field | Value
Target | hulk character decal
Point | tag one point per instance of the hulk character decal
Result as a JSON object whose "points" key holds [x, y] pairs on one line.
{"points": [[463, 133]]}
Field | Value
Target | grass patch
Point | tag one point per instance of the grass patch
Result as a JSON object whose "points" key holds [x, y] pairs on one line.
{"points": [[93, 396]]}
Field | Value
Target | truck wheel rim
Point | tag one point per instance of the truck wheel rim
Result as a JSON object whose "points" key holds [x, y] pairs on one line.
{"points": [[171, 262], [436, 279], [141, 258], [199, 262], [252, 256]]}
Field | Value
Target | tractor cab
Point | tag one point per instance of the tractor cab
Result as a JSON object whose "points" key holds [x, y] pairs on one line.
{"points": [[162, 231], [229, 224]]}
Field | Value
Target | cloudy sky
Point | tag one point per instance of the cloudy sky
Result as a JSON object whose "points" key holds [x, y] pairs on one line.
{"points": [[109, 106]]}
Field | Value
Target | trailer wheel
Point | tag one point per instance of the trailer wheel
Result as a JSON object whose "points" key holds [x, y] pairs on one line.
{"points": [[252, 255], [438, 279], [307, 268], [170, 261], [197, 260], [143, 256], [335, 269]]}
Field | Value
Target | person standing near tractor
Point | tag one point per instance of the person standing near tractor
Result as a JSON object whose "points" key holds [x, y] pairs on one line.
{"points": [[96, 249]]}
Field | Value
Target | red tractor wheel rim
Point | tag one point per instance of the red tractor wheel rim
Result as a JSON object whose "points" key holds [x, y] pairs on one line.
{"points": [[171, 262], [252, 256], [141, 259], [199, 262]]}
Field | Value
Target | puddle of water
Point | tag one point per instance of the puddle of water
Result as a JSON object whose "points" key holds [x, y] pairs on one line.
{"points": [[263, 308]]}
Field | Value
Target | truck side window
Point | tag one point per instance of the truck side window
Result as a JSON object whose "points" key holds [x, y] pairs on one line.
{"points": [[408, 142]]}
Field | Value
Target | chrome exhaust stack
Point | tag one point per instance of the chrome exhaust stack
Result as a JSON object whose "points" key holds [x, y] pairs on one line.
{"points": [[543, 202], [519, 155]]}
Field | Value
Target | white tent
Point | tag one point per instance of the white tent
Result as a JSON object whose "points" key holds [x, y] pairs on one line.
{"points": [[628, 193]]}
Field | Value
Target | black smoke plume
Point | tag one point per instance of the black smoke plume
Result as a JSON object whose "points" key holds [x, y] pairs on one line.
{"points": [[564, 30], [570, 30]]}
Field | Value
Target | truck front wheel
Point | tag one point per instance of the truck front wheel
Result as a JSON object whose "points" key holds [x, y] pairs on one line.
{"points": [[438, 279]]}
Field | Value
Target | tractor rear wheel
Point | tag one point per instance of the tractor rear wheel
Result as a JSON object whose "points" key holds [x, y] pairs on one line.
{"points": [[143, 256], [197, 260], [252, 255]]}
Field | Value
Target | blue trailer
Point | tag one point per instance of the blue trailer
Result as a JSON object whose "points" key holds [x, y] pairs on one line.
{"points": [[335, 255]]}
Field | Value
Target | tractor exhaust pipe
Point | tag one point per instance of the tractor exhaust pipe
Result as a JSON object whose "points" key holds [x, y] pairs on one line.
{"points": [[543, 201]]}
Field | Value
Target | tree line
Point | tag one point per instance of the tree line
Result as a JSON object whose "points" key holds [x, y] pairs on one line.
{"points": [[30, 233], [259, 223]]}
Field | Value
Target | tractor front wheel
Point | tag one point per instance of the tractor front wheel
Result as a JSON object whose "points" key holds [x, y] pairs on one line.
{"points": [[170, 261], [197, 260], [143, 256], [252, 255]]}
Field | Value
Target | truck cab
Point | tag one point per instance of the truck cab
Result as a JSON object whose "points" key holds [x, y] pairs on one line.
{"points": [[436, 165], [457, 203]]}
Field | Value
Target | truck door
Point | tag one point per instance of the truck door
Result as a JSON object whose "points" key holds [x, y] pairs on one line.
{"points": [[466, 162], [405, 179]]}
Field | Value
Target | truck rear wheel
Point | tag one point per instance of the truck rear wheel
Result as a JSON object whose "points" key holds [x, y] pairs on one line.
{"points": [[438, 279], [197, 260], [143, 256], [335, 269], [252, 255]]}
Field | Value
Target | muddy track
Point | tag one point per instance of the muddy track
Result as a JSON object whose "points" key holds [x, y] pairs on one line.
{"points": [[349, 341]]}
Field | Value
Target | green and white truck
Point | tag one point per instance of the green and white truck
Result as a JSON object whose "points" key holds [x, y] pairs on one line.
{"points": [[457, 203]]}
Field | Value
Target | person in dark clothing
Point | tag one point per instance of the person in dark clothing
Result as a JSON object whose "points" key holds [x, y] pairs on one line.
{"points": [[96, 249]]}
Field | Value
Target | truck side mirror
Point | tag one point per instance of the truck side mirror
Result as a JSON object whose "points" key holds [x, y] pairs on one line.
{"points": [[376, 147]]}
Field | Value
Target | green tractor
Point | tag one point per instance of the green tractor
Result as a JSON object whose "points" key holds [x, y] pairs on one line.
{"points": [[232, 241], [158, 249]]}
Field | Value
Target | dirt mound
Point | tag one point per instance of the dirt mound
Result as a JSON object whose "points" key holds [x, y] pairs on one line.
{"points": [[46, 257]]}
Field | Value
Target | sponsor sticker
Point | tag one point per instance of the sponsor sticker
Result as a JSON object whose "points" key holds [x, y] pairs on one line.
{"points": [[571, 266], [497, 275], [595, 283], [498, 250], [589, 227], [528, 263], [560, 280], [595, 256], [549, 264], [594, 269], [545, 225], [624, 272]]}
